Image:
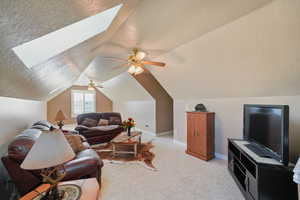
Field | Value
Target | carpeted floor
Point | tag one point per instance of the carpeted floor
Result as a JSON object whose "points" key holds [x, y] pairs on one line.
{"points": [[179, 177]]}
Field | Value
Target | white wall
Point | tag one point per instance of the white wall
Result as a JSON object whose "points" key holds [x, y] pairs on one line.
{"points": [[254, 59], [256, 55], [131, 100], [143, 112], [229, 118], [15, 116]]}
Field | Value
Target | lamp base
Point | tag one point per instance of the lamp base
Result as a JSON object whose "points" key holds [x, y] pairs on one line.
{"points": [[65, 192], [54, 194], [60, 124]]}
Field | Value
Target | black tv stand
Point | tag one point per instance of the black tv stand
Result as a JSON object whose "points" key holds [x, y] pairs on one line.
{"points": [[257, 177], [260, 152]]}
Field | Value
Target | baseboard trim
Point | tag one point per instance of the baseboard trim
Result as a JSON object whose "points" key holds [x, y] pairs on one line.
{"points": [[217, 155], [179, 143], [221, 156], [165, 133], [146, 132]]}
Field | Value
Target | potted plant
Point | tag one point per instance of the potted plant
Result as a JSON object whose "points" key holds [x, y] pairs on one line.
{"points": [[128, 124]]}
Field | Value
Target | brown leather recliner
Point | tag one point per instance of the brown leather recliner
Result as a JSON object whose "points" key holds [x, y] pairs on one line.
{"points": [[86, 164], [96, 134]]}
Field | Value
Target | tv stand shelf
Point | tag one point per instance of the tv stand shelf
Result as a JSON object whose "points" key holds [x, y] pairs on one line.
{"points": [[257, 177]]}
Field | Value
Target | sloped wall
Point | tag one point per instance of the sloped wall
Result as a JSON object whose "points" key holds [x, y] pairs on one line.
{"points": [[131, 100], [255, 56], [143, 112], [63, 102], [163, 102], [142, 98]]}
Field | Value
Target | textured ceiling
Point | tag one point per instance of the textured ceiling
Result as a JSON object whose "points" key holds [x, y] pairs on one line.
{"points": [[23, 21], [155, 26]]}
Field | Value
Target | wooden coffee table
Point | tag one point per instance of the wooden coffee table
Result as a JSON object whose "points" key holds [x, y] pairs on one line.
{"points": [[124, 140]]}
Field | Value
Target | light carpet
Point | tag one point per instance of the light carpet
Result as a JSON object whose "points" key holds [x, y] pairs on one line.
{"points": [[179, 177]]}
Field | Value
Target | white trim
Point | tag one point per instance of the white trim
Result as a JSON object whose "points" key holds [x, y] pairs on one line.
{"points": [[221, 156], [146, 132], [165, 133], [217, 155], [179, 143], [154, 134]]}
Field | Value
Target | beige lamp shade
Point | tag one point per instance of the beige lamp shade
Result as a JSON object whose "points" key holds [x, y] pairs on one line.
{"points": [[49, 150], [60, 116]]}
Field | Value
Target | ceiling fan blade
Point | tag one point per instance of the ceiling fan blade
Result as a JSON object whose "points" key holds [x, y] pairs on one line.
{"points": [[160, 64], [114, 58], [120, 66], [111, 48]]}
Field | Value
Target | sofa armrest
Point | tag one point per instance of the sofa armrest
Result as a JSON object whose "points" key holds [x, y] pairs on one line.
{"points": [[81, 128], [81, 167], [24, 180]]}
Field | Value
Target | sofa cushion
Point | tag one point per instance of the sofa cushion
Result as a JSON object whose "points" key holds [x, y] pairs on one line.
{"points": [[114, 120], [103, 122], [75, 142], [32, 133], [43, 123], [40, 127], [81, 128], [89, 122], [105, 128]]}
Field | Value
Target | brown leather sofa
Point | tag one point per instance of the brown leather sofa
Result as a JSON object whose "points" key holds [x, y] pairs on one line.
{"points": [[86, 164], [96, 134]]}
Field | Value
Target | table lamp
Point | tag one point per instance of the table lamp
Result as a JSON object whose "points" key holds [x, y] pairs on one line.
{"points": [[48, 154], [59, 118]]}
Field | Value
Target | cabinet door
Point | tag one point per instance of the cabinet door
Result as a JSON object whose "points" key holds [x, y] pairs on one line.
{"points": [[251, 186], [190, 132], [200, 145]]}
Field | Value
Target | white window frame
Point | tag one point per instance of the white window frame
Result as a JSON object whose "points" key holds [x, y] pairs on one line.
{"points": [[83, 92]]}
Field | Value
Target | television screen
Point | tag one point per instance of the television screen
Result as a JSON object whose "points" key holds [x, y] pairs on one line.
{"points": [[267, 125]]}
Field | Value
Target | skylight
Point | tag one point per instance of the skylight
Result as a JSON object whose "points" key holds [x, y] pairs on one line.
{"points": [[52, 44]]}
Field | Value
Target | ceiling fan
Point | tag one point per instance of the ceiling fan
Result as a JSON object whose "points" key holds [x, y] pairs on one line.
{"points": [[92, 85], [136, 62]]}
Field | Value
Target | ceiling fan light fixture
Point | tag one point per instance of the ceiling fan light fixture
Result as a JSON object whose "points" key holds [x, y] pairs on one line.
{"points": [[91, 85], [90, 88], [140, 55], [138, 70], [132, 69]]}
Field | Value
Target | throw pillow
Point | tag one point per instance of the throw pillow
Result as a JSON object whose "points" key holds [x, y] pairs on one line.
{"points": [[105, 128], [114, 120], [75, 142], [89, 122], [103, 122]]}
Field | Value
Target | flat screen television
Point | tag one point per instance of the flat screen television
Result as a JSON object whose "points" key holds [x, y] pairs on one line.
{"points": [[266, 127]]}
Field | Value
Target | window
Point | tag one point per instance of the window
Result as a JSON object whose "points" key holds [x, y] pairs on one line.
{"points": [[83, 101], [45, 47]]}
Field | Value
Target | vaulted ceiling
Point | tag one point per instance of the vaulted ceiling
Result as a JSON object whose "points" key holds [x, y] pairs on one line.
{"points": [[254, 56], [23, 21], [157, 27]]}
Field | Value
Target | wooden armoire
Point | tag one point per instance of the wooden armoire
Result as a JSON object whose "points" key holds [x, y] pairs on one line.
{"points": [[200, 134]]}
